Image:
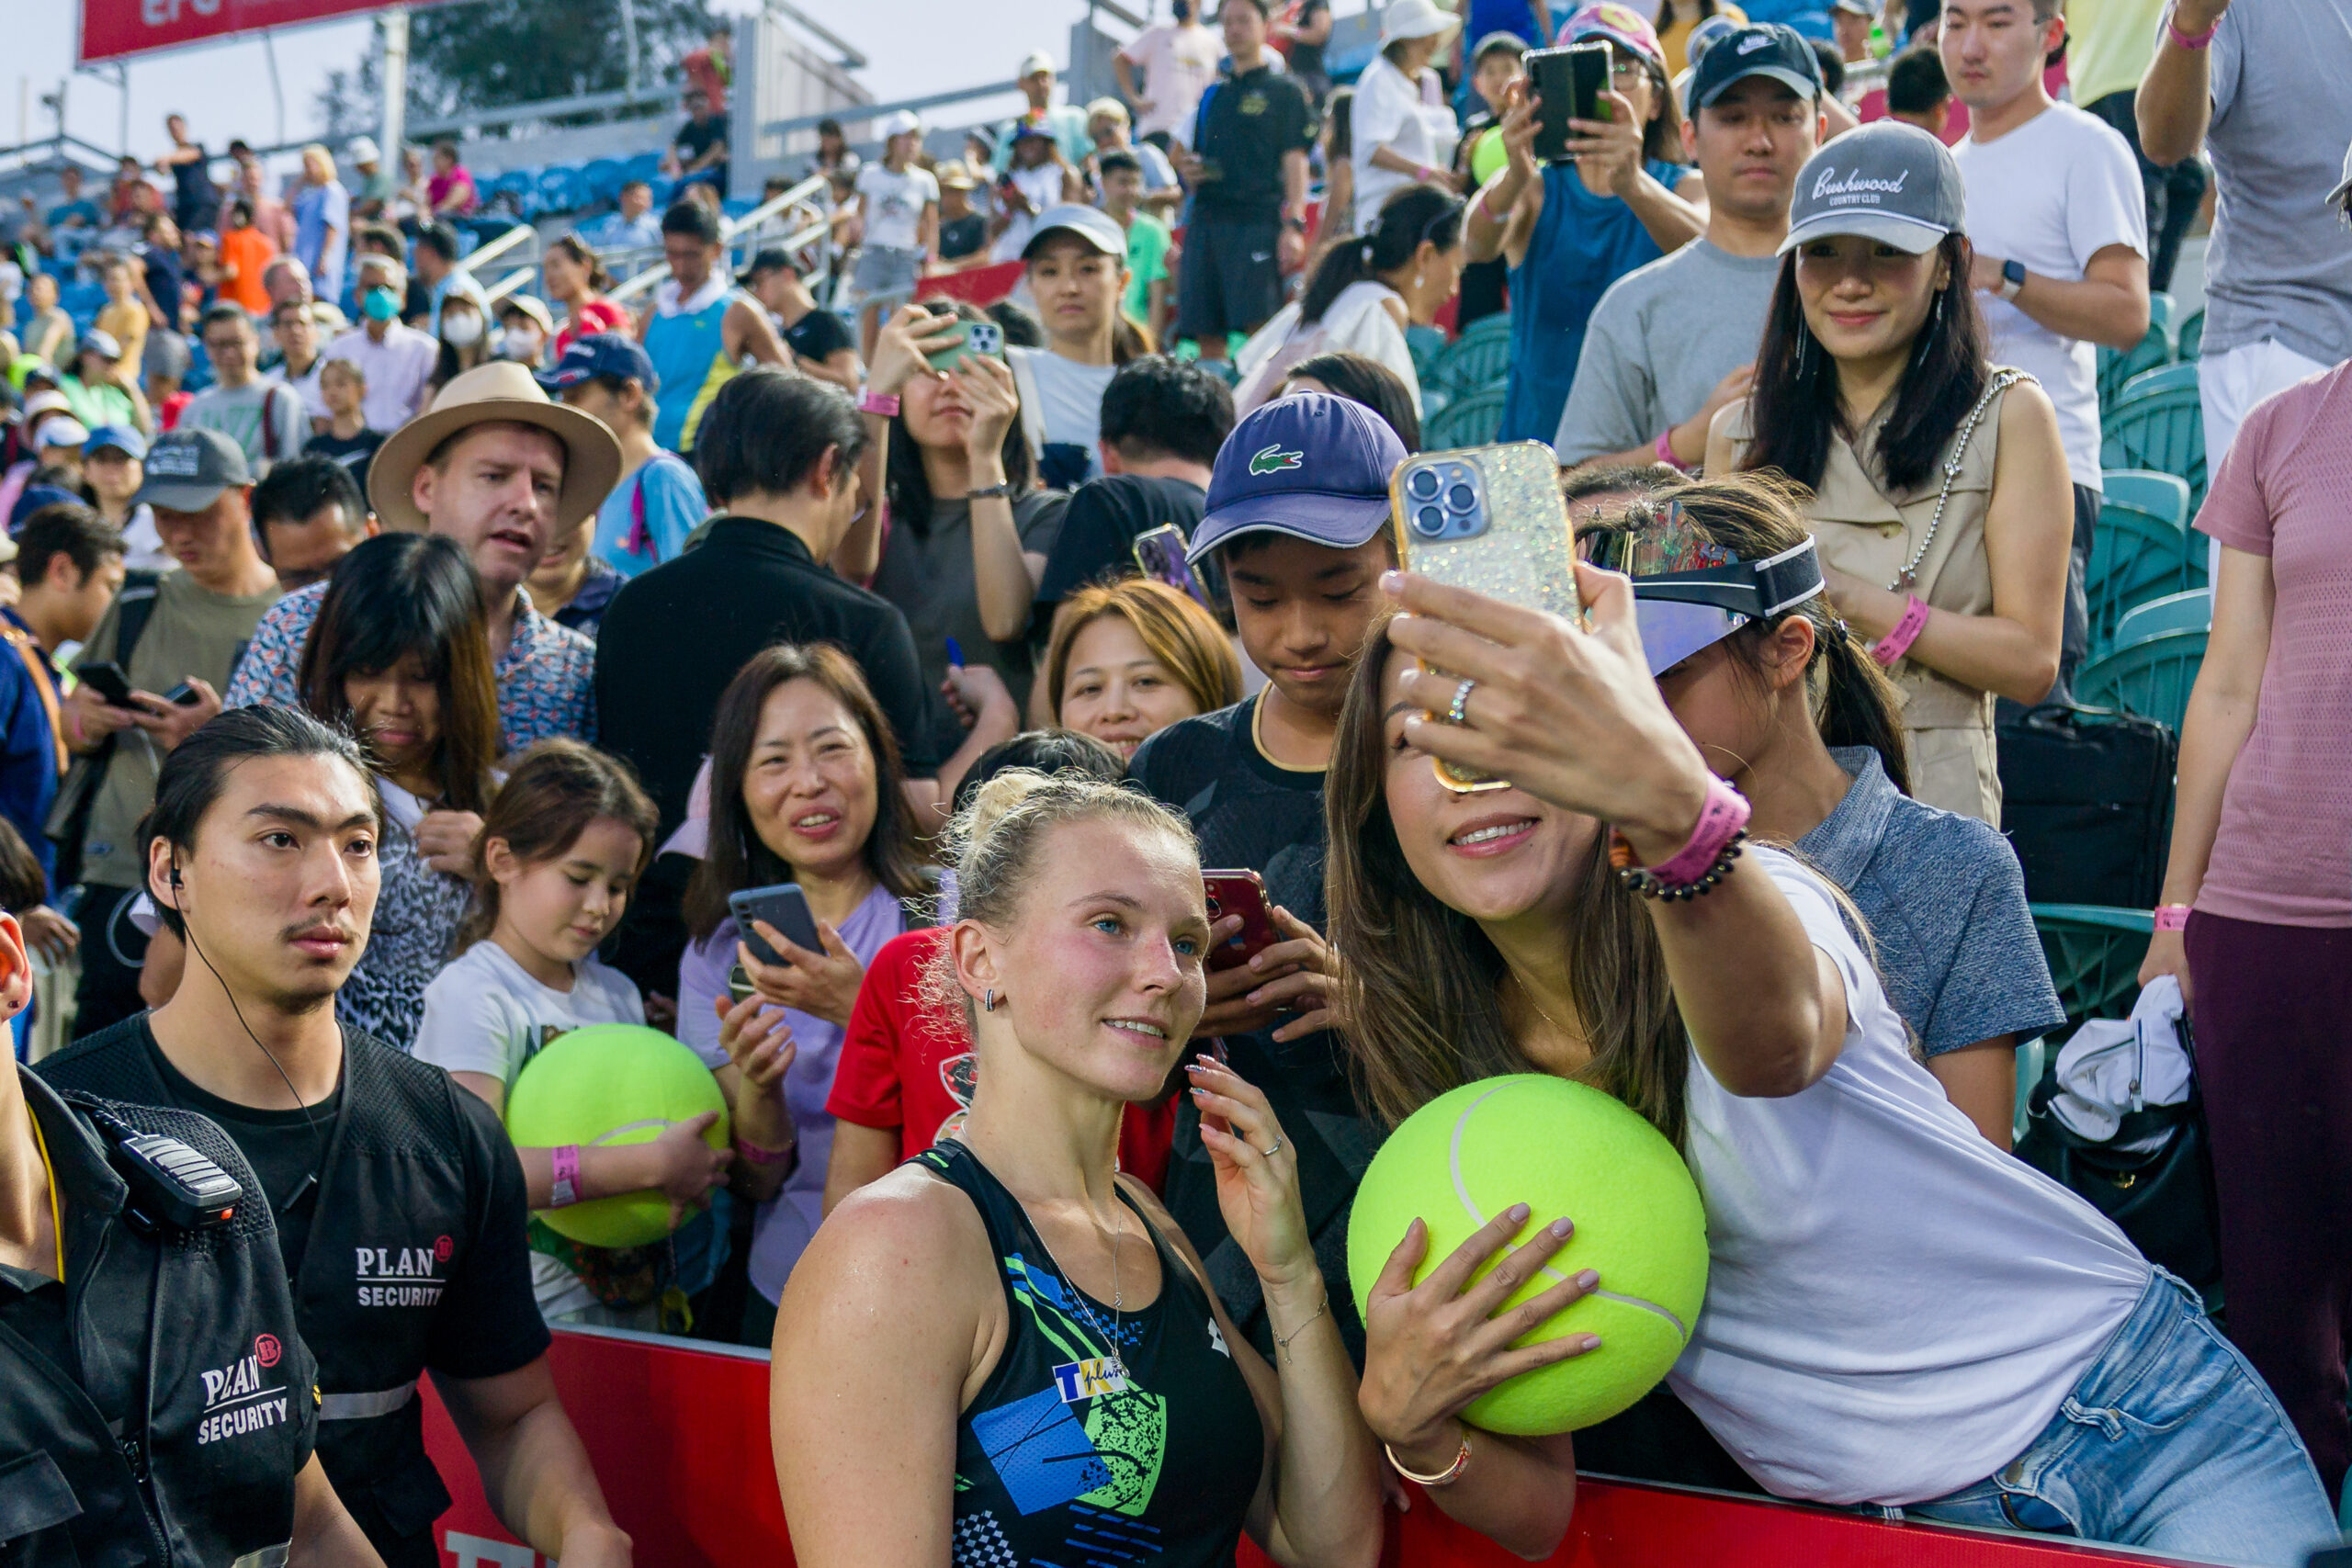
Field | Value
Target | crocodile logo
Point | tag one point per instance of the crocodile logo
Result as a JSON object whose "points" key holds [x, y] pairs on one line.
{"points": [[1274, 460]]}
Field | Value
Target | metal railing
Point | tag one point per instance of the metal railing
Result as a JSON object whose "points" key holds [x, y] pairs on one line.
{"points": [[490, 250], [734, 228]]}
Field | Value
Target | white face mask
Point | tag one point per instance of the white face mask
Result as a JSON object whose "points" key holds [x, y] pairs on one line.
{"points": [[517, 344], [462, 330]]}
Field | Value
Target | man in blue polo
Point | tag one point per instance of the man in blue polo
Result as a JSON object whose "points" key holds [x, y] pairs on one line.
{"points": [[1298, 518]]}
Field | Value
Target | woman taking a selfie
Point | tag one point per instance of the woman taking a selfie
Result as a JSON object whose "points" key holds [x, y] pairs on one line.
{"points": [[1364, 295], [806, 788], [1077, 262], [969, 529], [1131, 657], [2016, 1362], [1936, 476], [400, 654], [1004, 1347]]}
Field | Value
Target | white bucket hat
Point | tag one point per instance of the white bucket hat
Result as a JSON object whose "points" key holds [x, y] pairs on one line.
{"points": [[1415, 18]]}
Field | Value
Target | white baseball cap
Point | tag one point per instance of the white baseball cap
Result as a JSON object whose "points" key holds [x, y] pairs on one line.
{"points": [[905, 123], [362, 150], [1037, 60], [1415, 18]]}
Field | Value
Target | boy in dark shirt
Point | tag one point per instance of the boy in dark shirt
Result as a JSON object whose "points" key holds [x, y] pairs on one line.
{"points": [[1298, 514]]}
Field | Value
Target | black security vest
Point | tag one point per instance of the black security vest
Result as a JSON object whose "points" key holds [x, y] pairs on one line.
{"points": [[396, 1212], [188, 1340]]}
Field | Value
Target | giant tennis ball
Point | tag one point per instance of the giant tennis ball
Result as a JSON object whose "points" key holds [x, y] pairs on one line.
{"points": [[1561, 1148], [1488, 154], [605, 1085]]}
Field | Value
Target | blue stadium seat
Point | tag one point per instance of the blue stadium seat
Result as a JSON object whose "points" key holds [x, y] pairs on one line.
{"points": [[642, 166], [605, 178], [563, 189], [2163, 379]]}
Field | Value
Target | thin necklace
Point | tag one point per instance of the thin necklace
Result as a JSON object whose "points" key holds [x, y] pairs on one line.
{"points": [[1527, 995], [1117, 1367]]}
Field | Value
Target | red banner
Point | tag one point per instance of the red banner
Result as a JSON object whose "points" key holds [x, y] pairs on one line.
{"points": [[111, 28], [679, 1435]]}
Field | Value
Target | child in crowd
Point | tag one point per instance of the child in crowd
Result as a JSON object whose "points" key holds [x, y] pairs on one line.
{"points": [[561, 847], [347, 438], [1298, 515]]}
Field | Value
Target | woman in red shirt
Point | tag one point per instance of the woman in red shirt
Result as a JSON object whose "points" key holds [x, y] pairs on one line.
{"points": [[572, 276], [906, 1070]]}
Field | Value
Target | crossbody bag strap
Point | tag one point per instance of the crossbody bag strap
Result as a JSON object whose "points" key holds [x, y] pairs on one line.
{"points": [[2001, 382]]}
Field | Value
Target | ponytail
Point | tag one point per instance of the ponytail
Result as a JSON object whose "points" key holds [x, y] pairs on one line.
{"points": [[1859, 704], [1410, 215]]}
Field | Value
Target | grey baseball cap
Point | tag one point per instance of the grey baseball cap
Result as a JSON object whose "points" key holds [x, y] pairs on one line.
{"points": [[1886, 181], [187, 469]]}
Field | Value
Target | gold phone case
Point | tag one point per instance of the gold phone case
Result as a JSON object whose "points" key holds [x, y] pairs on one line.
{"points": [[1490, 519]]}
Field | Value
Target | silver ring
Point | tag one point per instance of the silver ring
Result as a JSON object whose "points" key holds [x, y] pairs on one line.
{"points": [[1457, 712], [1268, 1154]]}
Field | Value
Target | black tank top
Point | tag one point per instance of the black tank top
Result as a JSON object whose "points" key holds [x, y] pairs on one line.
{"points": [[1065, 1461]]}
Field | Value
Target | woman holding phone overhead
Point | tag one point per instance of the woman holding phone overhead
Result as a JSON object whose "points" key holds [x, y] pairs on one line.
{"points": [[806, 788], [1569, 230], [1934, 474]]}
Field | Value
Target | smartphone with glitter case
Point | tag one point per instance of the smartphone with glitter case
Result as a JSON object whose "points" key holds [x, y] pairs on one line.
{"points": [[1490, 519]]}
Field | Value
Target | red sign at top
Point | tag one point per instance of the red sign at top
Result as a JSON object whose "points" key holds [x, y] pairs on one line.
{"points": [[112, 28]]}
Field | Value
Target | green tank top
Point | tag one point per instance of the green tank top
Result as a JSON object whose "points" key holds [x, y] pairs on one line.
{"points": [[1076, 1452]]}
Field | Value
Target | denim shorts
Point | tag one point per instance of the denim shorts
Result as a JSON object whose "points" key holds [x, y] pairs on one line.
{"points": [[2170, 1441]]}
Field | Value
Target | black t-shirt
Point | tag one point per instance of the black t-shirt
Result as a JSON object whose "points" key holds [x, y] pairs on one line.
{"points": [[1246, 124], [1248, 811], [695, 137], [676, 636], [1307, 59], [1105, 517], [818, 335], [284, 1147], [354, 452], [961, 237], [416, 302], [192, 183], [162, 270]]}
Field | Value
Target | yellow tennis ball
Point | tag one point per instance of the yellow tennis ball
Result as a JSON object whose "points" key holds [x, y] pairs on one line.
{"points": [[1562, 1148], [1488, 154], [608, 1085]]}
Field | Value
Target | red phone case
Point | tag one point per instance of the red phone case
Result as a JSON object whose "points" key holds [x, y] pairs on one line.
{"points": [[1242, 893]]}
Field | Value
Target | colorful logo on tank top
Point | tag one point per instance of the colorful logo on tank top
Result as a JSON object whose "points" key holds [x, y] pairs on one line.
{"points": [[1090, 1378]]}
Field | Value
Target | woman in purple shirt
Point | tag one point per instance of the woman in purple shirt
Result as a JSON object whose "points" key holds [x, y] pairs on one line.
{"points": [[805, 787]]}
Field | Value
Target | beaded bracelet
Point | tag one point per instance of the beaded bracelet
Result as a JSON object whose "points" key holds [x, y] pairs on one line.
{"points": [[1703, 862]]}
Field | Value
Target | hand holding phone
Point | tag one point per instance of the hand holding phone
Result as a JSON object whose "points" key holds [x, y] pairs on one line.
{"points": [[106, 678], [784, 907], [1243, 894], [1570, 82]]}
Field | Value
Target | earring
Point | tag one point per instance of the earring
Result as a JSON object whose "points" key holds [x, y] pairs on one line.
{"points": [[988, 1000], [1417, 280]]}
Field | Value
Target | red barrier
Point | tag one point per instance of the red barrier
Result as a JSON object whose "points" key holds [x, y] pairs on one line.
{"points": [[977, 285], [679, 1439], [112, 28]]}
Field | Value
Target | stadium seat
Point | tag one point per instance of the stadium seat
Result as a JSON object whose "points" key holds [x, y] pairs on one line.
{"points": [[2162, 429], [2150, 675], [2136, 553], [2192, 610], [1425, 345], [1477, 359], [2161, 312], [2163, 379], [2159, 495], [2190, 341], [605, 178], [1471, 419], [2093, 954], [641, 166], [2117, 367]]}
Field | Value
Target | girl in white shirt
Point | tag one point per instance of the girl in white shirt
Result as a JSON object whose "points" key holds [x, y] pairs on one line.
{"points": [[1364, 294], [559, 851], [1897, 1314]]}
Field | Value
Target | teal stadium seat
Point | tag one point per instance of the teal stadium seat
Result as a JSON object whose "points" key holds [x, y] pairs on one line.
{"points": [[2137, 550], [2160, 427], [2093, 953], [1473, 418], [2150, 675]]}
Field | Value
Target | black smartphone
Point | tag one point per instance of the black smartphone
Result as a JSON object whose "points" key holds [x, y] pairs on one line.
{"points": [[106, 679], [785, 908], [182, 695], [1569, 80]]}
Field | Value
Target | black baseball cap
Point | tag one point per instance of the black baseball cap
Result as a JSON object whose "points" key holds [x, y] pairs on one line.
{"points": [[774, 258], [1312, 466], [1764, 49], [187, 469]]}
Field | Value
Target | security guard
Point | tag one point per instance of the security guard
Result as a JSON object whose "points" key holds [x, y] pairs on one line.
{"points": [[399, 1200], [156, 1404]]}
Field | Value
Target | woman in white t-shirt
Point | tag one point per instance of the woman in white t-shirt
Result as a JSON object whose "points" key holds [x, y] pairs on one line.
{"points": [[1362, 295], [1077, 261], [558, 857], [1897, 1313], [898, 208], [1402, 130]]}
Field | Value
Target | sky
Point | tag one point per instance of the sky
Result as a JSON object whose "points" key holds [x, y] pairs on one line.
{"points": [[916, 47]]}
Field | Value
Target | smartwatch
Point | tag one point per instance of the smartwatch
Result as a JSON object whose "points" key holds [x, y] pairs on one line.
{"points": [[2012, 282]]}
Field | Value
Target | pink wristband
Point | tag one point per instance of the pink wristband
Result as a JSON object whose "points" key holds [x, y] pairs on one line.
{"points": [[2189, 41], [1665, 451], [1897, 643], [1720, 821], [882, 403], [2172, 917], [759, 1155], [566, 1160]]}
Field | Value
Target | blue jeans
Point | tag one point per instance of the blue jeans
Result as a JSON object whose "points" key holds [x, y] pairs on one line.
{"points": [[2170, 1441]]}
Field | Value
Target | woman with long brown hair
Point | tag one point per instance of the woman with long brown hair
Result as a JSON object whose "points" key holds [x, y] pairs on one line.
{"points": [[805, 787], [1896, 1310], [400, 654], [575, 276], [1940, 495]]}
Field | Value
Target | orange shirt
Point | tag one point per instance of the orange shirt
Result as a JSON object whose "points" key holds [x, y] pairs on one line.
{"points": [[250, 251]]}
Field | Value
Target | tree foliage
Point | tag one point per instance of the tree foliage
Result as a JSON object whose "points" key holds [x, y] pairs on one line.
{"points": [[480, 54]]}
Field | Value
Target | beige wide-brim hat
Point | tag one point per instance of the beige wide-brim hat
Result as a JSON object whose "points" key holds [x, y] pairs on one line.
{"points": [[500, 392]]}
